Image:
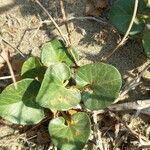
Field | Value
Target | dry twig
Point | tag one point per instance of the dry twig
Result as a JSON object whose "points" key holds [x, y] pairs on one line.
{"points": [[139, 105], [134, 83], [7, 77], [68, 31], [58, 28], [65, 21], [99, 20], [97, 133], [53, 21], [126, 34], [16, 49], [130, 130], [5, 57]]}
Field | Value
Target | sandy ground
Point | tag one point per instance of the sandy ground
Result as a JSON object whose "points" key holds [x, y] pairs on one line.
{"points": [[19, 20]]}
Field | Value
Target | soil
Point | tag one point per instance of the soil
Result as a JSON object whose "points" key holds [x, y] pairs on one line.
{"points": [[19, 20]]}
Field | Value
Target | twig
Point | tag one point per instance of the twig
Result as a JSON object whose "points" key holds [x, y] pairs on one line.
{"points": [[38, 28], [59, 30], [88, 18], [65, 21], [141, 105], [135, 133], [120, 140], [126, 34], [7, 77], [97, 133], [67, 28], [134, 83], [53, 21], [16, 49], [6, 58], [129, 128], [99, 20]]}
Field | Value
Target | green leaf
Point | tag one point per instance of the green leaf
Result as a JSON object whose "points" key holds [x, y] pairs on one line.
{"points": [[121, 14], [53, 93], [146, 43], [18, 105], [100, 83], [30, 63], [72, 136], [54, 52], [33, 68]]}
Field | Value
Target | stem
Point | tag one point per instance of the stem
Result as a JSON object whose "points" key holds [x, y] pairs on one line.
{"points": [[53, 21], [59, 30], [126, 34], [68, 31], [7, 77], [13, 47], [65, 21], [6, 59]]}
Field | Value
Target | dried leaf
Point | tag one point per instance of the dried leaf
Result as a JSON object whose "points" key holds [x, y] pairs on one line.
{"points": [[73, 111]]}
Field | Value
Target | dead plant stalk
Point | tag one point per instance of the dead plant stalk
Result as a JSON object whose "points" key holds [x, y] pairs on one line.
{"points": [[5, 57], [65, 21], [126, 34], [53, 21], [68, 42], [16, 49]]}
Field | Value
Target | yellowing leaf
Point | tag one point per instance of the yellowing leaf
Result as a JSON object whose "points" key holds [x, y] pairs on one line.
{"points": [[53, 93], [73, 136]]}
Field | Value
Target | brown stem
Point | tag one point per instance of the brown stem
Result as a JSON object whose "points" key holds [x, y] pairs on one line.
{"points": [[126, 34], [53, 21], [65, 21]]}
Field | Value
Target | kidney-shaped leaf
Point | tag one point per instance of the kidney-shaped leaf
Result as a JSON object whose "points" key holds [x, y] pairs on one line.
{"points": [[146, 43], [18, 105], [53, 93], [100, 83], [121, 14], [32, 68], [54, 52], [72, 136]]}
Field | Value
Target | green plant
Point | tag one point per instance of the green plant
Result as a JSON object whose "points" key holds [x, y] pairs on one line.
{"points": [[53, 82], [121, 15]]}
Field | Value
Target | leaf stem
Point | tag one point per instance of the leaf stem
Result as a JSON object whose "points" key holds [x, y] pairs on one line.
{"points": [[126, 34]]}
